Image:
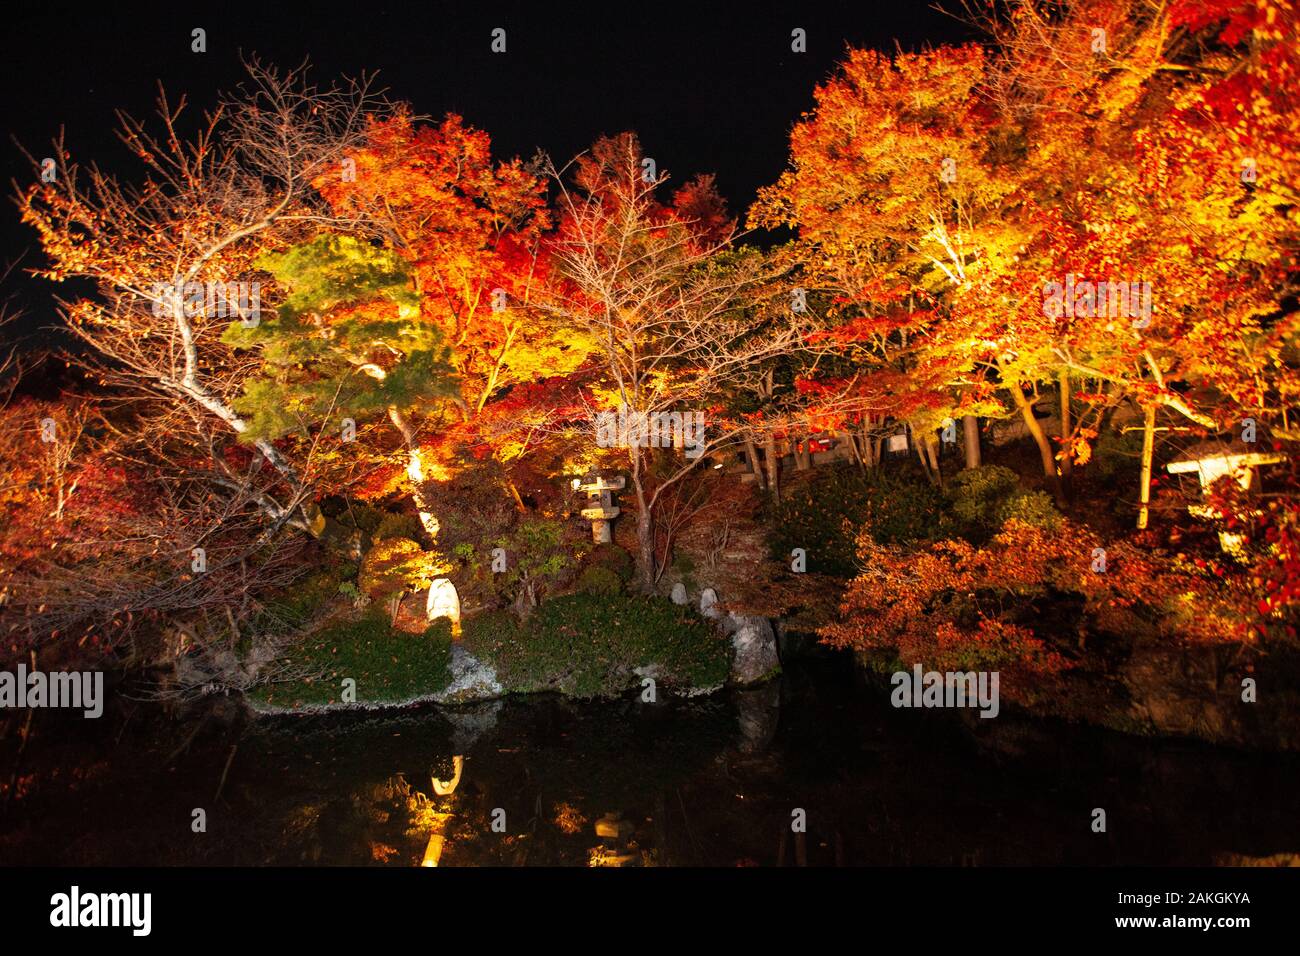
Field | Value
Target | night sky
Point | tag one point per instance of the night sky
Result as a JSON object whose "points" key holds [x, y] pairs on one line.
{"points": [[709, 87]]}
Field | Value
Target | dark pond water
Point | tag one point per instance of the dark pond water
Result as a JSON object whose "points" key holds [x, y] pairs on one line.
{"points": [[711, 781]]}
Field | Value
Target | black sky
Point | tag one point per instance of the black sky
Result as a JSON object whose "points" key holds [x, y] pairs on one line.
{"points": [[709, 87]]}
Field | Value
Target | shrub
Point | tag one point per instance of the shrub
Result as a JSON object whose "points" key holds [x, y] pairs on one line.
{"points": [[399, 526], [596, 579], [363, 517], [389, 666], [588, 645], [395, 564], [1034, 508], [537, 557], [616, 559], [975, 498], [1116, 456], [823, 516], [955, 606]]}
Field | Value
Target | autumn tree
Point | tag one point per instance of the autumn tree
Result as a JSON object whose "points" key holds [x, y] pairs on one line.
{"points": [[897, 209], [347, 344], [668, 307], [469, 230], [206, 206]]}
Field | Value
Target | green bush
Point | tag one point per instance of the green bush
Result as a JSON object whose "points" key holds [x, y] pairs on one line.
{"points": [[392, 565], [616, 559], [538, 557], [1033, 508], [399, 526], [823, 515], [974, 496], [980, 501], [389, 666], [974, 493], [597, 579], [362, 517], [1116, 456], [588, 645]]}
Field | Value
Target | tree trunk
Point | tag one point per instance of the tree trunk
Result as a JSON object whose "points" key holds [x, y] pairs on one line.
{"points": [[1148, 448], [773, 467], [415, 472], [919, 444], [645, 543], [519, 501], [645, 528], [1067, 429], [1040, 439], [803, 453], [870, 449], [751, 452], [971, 440], [932, 452]]}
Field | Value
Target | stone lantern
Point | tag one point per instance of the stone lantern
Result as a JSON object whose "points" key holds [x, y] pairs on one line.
{"points": [[1211, 461], [600, 510]]}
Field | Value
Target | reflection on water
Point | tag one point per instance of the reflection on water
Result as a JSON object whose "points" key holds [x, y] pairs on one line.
{"points": [[713, 781]]}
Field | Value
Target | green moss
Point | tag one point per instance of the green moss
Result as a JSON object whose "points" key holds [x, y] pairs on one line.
{"points": [[589, 645], [389, 666]]}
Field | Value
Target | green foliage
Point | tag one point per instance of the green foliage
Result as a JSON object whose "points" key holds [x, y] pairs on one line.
{"points": [[365, 518], [980, 500], [399, 526], [395, 564], [597, 579], [1031, 507], [974, 493], [333, 270], [616, 559], [389, 666], [348, 340], [588, 645], [537, 556], [1116, 456], [823, 516]]}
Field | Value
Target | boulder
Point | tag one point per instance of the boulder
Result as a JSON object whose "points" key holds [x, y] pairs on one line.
{"points": [[709, 604], [753, 645], [443, 601], [471, 679], [679, 595]]}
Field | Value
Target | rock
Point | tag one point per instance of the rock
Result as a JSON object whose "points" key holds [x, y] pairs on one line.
{"points": [[443, 601], [471, 679], [709, 604], [758, 710], [753, 643], [1175, 690], [679, 594]]}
